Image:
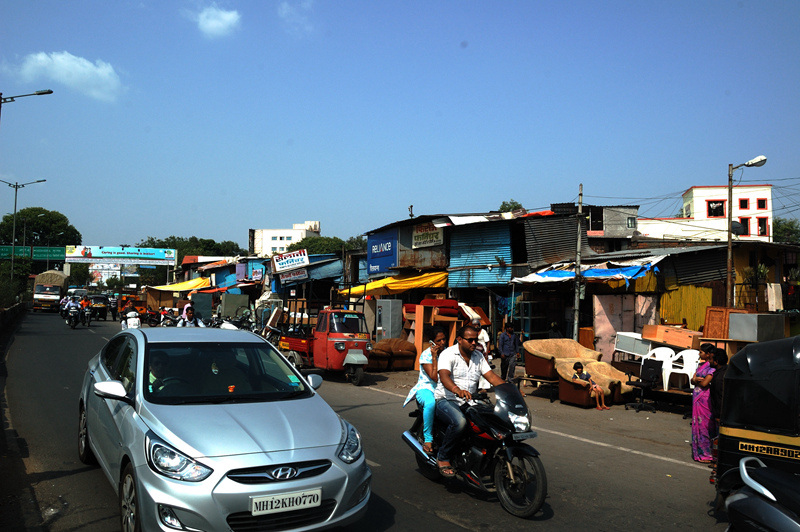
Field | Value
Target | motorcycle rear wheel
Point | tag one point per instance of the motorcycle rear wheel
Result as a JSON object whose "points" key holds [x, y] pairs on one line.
{"points": [[524, 495]]}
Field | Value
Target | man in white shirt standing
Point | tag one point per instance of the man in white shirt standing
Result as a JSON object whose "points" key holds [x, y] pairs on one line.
{"points": [[460, 369]]}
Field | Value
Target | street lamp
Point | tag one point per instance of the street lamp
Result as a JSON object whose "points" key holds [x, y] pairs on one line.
{"points": [[758, 161], [16, 187]]}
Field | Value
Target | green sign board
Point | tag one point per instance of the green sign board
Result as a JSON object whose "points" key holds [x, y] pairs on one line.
{"points": [[22, 252], [46, 253]]}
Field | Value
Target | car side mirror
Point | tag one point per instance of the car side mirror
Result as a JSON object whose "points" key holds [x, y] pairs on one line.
{"points": [[112, 390], [314, 380]]}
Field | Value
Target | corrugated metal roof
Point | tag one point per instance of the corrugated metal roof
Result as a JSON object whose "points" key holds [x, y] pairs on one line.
{"points": [[552, 239], [478, 253]]}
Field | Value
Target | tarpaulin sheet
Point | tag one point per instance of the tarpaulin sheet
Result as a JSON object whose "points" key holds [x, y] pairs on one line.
{"points": [[200, 282], [590, 274], [398, 284]]}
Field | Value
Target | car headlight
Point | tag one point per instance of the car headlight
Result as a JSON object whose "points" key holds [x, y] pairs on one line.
{"points": [[166, 461], [521, 423], [350, 449]]}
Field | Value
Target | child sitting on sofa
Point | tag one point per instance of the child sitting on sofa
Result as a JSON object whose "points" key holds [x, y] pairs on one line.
{"points": [[599, 395]]}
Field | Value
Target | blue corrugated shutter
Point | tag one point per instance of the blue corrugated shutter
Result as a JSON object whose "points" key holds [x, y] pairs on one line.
{"points": [[480, 245]]}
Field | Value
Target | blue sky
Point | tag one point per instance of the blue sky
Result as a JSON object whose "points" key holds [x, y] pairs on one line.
{"points": [[206, 119]]}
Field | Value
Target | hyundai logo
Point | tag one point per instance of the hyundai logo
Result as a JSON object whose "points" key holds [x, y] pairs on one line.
{"points": [[284, 473]]}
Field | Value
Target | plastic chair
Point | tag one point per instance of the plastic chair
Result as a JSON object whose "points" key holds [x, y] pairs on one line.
{"points": [[663, 355], [683, 363]]}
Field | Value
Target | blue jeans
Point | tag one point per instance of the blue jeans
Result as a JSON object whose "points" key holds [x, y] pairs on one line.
{"points": [[427, 404], [448, 412]]}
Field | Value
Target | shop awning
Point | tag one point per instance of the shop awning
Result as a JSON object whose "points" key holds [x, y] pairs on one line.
{"points": [[398, 284], [200, 282]]}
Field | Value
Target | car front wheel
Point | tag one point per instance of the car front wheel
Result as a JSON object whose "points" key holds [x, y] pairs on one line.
{"points": [[129, 502]]}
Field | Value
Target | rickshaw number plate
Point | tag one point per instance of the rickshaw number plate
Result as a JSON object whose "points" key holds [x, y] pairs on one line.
{"points": [[362, 336]]}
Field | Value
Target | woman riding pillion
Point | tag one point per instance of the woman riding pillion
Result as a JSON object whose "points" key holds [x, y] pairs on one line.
{"points": [[426, 384]]}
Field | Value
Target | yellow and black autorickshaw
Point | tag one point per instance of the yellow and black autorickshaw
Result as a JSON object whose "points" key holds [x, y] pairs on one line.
{"points": [[760, 413]]}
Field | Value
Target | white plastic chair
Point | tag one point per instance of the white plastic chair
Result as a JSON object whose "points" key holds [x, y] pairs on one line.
{"points": [[665, 355], [683, 363]]}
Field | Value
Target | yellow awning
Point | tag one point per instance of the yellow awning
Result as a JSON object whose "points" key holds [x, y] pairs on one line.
{"points": [[398, 284], [200, 282]]}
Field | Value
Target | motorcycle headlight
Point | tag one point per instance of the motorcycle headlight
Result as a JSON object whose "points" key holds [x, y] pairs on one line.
{"points": [[350, 449], [166, 461], [521, 423]]}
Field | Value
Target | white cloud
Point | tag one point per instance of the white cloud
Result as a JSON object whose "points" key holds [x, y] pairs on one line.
{"points": [[215, 22], [296, 16], [97, 80]]}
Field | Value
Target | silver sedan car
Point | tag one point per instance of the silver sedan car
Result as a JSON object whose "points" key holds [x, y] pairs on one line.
{"points": [[212, 429]]}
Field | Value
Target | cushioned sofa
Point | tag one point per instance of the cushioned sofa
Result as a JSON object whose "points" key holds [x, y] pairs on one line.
{"points": [[541, 356], [610, 379], [392, 354]]}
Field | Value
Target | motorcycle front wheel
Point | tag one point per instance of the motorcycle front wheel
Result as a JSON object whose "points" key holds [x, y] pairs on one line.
{"points": [[521, 484]]}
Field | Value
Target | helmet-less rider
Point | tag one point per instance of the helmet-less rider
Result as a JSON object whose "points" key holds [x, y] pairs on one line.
{"points": [[460, 369]]}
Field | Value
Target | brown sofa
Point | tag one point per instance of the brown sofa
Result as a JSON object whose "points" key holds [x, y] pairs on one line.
{"points": [[610, 379], [541, 356], [392, 354]]}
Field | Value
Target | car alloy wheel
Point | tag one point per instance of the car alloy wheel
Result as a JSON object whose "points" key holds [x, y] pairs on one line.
{"points": [[84, 451]]}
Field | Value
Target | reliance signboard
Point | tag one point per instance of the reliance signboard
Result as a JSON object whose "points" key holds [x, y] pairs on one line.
{"points": [[381, 252], [121, 255]]}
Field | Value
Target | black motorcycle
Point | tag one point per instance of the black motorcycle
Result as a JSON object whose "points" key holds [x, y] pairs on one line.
{"points": [[73, 316], [491, 455], [769, 499]]}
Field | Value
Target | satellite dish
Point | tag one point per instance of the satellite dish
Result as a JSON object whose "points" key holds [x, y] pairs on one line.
{"points": [[737, 228]]}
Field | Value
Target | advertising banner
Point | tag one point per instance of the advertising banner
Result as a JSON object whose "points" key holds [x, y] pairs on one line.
{"points": [[290, 261], [426, 235], [381, 251], [121, 255], [296, 275]]}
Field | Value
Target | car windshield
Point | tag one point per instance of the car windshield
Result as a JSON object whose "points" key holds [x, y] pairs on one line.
{"points": [[209, 373], [348, 322]]}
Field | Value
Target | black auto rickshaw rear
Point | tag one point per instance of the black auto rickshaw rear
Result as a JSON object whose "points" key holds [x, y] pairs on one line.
{"points": [[760, 412]]}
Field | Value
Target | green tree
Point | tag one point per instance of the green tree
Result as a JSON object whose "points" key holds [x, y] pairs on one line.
{"points": [[79, 274], [114, 283], [786, 230], [193, 246], [316, 245], [510, 205], [39, 227]]}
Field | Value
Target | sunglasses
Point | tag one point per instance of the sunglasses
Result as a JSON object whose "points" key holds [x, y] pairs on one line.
{"points": [[470, 340]]}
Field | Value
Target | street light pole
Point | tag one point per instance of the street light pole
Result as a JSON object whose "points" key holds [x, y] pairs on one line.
{"points": [[16, 187], [758, 161]]}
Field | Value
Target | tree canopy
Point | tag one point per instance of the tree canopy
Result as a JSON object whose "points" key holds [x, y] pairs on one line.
{"points": [[510, 205], [316, 245], [194, 246], [39, 227], [786, 230]]}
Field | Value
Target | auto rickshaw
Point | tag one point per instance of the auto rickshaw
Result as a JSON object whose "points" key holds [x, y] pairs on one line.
{"points": [[760, 413]]}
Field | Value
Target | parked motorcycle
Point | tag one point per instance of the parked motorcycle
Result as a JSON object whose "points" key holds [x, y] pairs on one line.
{"points": [[73, 317], [769, 499], [151, 317], [491, 455]]}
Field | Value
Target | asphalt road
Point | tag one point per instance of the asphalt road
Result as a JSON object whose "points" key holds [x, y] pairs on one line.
{"points": [[606, 470]]}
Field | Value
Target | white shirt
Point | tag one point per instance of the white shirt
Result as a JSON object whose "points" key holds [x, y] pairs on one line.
{"points": [[465, 375]]}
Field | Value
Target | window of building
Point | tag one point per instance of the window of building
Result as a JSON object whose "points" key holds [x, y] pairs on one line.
{"points": [[687, 210], [744, 203], [761, 204], [281, 238], [274, 249], [746, 224], [288, 238], [274, 238], [762, 227], [283, 249], [715, 208], [631, 222]]}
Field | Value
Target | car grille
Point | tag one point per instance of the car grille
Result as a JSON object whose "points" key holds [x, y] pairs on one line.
{"points": [[244, 522], [264, 474]]}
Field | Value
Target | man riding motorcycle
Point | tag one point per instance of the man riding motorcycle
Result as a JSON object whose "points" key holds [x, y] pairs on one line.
{"points": [[460, 370]]}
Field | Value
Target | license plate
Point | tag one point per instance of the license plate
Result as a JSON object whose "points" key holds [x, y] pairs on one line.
{"points": [[362, 336], [524, 435], [287, 502]]}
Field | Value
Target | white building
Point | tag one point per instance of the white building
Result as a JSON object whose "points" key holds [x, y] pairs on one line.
{"points": [[268, 242], [704, 215]]}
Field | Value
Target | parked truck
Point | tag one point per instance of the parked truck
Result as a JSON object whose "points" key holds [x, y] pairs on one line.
{"points": [[48, 289]]}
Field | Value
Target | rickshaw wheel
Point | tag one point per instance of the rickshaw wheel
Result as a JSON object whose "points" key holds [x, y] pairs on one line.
{"points": [[356, 376]]}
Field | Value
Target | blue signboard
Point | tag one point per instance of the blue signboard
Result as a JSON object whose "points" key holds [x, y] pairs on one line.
{"points": [[381, 252]]}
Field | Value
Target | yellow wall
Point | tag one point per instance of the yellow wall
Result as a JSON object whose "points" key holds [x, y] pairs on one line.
{"points": [[687, 301]]}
